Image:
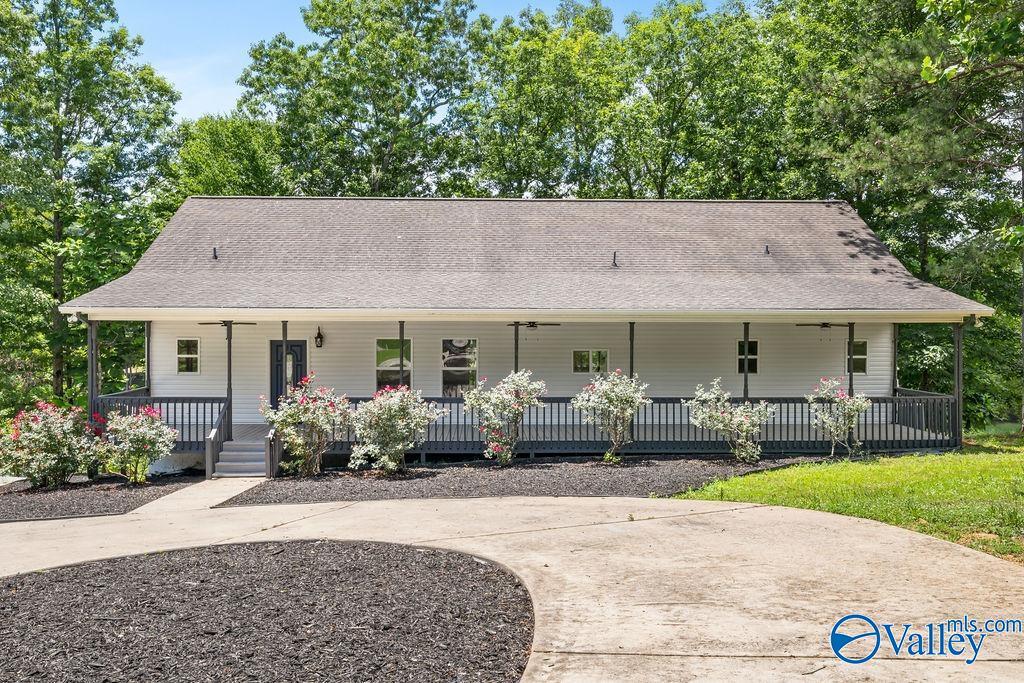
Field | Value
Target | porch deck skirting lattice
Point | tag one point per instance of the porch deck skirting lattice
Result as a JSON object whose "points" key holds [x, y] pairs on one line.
{"points": [[911, 420]]}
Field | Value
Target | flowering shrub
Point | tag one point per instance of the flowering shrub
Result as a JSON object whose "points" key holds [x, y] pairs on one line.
{"points": [[305, 420], [394, 421], [610, 402], [739, 424], [835, 412], [47, 445], [135, 441], [500, 411]]}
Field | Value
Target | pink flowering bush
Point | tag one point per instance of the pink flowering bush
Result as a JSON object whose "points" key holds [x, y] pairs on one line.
{"points": [[611, 401], [500, 410], [836, 413], [134, 441], [305, 420], [47, 445], [394, 421], [739, 424]]}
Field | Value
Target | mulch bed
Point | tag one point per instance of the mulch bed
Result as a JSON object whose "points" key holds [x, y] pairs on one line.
{"points": [[641, 477], [105, 496], [296, 611]]}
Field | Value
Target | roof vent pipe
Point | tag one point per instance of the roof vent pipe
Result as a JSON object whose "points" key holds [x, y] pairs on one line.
{"points": [[215, 253], [615, 259], [766, 251]]}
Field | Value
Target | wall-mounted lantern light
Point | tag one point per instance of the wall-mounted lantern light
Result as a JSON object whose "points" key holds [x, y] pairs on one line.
{"points": [[319, 338]]}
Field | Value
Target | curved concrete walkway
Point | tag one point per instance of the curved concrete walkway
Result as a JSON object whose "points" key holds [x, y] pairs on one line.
{"points": [[626, 589]]}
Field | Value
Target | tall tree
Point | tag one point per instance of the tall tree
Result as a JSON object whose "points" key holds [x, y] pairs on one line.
{"points": [[359, 112], [225, 155], [81, 122]]}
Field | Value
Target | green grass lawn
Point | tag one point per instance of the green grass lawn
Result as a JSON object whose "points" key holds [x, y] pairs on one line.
{"points": [[974, 497]]}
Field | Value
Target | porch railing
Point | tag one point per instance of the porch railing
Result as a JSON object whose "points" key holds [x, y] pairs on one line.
{"points": [[908, 421], [215, 442], [192, 416]]}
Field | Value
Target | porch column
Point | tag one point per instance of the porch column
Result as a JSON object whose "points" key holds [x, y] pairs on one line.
{"points": [[515, 346], [401, 352], [958, 382], [849, 360], [284, 358], [632, 335], [229, 403], [746, 361], [149, 355], [92, 374], [895, 380]]}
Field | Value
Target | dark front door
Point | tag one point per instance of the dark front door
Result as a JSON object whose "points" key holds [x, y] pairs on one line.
{"points": [[293, 367]]}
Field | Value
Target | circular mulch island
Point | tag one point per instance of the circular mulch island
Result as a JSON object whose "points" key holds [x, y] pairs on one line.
{"points": [[296, 611]]}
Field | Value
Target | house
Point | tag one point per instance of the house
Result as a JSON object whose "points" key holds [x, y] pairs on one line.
{"points": [[242, 295]]}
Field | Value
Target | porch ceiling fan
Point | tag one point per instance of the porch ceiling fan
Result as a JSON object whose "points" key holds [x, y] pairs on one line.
{"points": [[223, 323], [824, 326], [533, 324]]}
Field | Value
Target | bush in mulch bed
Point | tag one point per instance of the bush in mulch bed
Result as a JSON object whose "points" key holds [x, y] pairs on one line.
{"points": [[296, 611], [638, 477], [104, 496]]}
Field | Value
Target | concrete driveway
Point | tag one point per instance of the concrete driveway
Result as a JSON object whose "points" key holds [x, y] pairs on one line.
{"points": [[627, 589]]}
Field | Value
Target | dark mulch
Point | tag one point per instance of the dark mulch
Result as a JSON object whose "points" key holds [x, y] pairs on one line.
{"points": [[642, 477], [297, 611], [105, 496]]}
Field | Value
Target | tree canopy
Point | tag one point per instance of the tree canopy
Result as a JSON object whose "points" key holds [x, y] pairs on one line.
{"points": [[913, 113]]}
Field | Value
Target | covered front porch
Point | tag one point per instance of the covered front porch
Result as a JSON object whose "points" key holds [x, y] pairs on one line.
{"points": [[776, 362]]}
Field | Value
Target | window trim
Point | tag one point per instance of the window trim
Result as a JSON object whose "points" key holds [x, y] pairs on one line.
{"points": [[855, 356], [410, 368], [750, 356], [590, 360], [441, 368], [197, 355]]}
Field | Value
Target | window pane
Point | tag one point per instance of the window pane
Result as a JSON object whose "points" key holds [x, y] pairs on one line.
{"points": [[458, 353], [188, 347], [860, 348], [188, 364], [739, 348], [753, 366], [599, 361], [458, 366], [860, 365], [581, 361], [388, 362]]}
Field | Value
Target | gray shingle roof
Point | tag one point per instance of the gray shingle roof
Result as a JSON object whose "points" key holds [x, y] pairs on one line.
{"points": [[445, 254]]}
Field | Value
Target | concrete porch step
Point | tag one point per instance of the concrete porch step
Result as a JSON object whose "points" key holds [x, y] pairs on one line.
{"points": [[254, 457], [239, 469]]}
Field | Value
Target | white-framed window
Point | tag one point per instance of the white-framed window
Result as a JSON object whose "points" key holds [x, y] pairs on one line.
{"points": [[860, 357], [387, 360], [585, 361], [751, 356], [458, 366], [187, 356]]}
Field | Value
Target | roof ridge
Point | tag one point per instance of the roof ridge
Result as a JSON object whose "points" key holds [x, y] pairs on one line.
{"points": [[538, 199]]}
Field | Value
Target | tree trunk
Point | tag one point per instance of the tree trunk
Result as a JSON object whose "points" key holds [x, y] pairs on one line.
{"points": [[59, 324]]}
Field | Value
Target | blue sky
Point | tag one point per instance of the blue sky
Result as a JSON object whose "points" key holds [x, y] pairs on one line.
{"points": [[201, 46]]}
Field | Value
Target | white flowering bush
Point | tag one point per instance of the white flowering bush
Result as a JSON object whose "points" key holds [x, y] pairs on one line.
{"points": [[740, 424], [835, 412], [500, 410], [611, 401], [47, 445], [135, 441], [394, 421], [305, 420]]}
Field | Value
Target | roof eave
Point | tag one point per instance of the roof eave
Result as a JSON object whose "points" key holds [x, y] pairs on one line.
{"points": [[506, 315]]}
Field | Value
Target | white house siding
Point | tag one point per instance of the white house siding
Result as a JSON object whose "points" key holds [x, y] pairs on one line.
{"points": [[671, 357]]}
